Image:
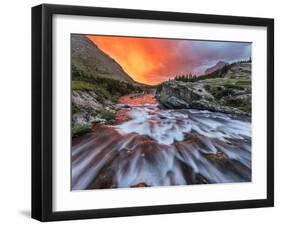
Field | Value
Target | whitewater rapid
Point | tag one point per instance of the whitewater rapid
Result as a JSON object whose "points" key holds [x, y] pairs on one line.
{"points": [[169, 126], [157, 147]]}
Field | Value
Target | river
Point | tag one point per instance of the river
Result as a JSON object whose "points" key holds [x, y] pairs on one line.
{"points": [[150, 146]]}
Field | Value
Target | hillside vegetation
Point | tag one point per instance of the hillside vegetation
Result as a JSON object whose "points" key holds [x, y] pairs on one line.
{"points": [[226, 90]]}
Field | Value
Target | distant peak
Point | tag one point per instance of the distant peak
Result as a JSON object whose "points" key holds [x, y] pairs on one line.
{"points": [[217, 66], [221, 62]]}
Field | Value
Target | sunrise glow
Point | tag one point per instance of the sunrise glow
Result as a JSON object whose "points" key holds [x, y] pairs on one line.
{"points": [[152, 61]]}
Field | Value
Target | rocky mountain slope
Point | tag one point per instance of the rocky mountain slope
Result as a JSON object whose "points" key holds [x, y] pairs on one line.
{"points": [[226, 90], [87, 57]]}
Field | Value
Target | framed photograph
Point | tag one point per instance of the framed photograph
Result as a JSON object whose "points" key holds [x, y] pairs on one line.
{"points": [[145, 112]]}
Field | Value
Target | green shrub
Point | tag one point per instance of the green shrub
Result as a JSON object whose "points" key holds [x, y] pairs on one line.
{"points": [[232, 86], [246, 108], [107, 115], [79, 130], [80, 85], [239, 105], [75, 109]]}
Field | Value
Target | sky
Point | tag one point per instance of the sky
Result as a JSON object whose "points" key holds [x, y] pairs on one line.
{"points": [[152, 61]]}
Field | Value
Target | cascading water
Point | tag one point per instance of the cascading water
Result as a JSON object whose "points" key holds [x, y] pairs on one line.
{"points": [[156, 147]]}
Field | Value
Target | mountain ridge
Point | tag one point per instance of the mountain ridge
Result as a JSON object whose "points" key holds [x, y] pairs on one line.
{"points": [[87, 58]]}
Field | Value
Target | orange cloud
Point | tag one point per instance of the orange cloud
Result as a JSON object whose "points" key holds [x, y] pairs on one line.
{"points": [[146, 60]]}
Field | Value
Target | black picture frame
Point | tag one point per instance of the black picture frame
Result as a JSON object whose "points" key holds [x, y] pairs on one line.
{"points": [[42, 197]]}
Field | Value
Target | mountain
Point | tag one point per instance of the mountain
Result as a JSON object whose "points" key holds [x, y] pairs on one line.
{"points": [[218, 65], [89, 60]]}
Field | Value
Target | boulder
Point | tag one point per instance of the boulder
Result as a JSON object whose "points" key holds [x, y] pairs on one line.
{"points": [[198, 95], [177, 93], [174, 102]]}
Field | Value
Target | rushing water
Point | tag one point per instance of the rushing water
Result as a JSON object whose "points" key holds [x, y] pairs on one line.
{"points": [[149, 146]]}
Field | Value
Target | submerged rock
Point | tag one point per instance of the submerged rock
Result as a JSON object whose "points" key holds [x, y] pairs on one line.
{"points": [[140, 185]]}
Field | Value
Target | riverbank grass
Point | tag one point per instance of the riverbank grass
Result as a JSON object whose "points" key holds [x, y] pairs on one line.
{"points": [[79, 130]]}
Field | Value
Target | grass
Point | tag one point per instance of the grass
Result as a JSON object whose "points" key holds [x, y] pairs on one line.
{"points": [[80, 85], [99, 90], [227, 81], [244, 82], [106, 88], [79, 130], [239, 105], [246, 108]]}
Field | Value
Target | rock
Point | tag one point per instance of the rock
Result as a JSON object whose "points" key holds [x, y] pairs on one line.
{"points": [[217, 95], [174, 102], [97, 120], [79, 118], [245, 98], [140, 185], [84, 100], [177, 94], [219, 158], [126, 106], [86, 108]]}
